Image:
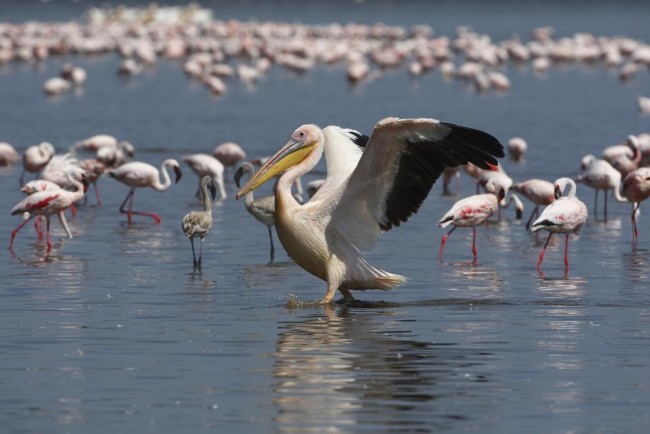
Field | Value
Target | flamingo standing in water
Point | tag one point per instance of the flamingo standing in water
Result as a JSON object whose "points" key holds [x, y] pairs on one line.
{"points": [[470, 212], [207, 165], [229, 154], [34, 187], [199, 223], [263, 209], [49, 202], [36, 157], [537, 191], [636, 188], [8, 154], [600, 175], [565, 215], [137, 174]]}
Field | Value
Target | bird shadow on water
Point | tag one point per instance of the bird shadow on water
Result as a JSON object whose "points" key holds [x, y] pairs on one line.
{"points": [[370, 375]]}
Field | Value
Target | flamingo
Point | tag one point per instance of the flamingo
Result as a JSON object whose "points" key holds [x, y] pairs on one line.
{"points": [[471, 211], [8, 154], [263, 209], [229, 154], [199, 223], [636, 188], [600, 175], [207, 165], [565, 215], [137, 174], [538, 191], [517, 147], [49, 202], [94, 169], [36, 157], [626, 163], [30, 188], [394, 174]]}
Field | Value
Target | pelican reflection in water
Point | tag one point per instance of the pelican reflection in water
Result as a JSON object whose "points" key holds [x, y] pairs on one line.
{"points": [[402, 159]]}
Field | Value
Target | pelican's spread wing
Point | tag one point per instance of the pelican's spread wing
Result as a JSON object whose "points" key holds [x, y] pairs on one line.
{"points": [[402, 160]]}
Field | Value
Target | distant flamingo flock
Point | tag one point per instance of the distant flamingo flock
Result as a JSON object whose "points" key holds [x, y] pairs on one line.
{"points": [[218, 52]]}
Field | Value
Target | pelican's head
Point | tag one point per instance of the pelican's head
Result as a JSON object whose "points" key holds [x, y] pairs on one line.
{"points": [[302, 143]]}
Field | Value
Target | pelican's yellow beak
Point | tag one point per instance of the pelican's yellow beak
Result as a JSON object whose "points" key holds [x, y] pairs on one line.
{"points": [[290, 155]]}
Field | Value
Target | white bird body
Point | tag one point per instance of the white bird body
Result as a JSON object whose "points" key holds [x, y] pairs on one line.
{"points": [[538, 191], [517, 148], [471, 212], [137, 174], [600, 175], [229, 153], [207, 165], [565, 215], [402, 160], [36, 157], [58, 169], [199, 223], [8, 154], [51, 201]]}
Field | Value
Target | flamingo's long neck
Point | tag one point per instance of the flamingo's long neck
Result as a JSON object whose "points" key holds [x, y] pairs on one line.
{"points": [[207, 203], [80, 191], [166, 179]]}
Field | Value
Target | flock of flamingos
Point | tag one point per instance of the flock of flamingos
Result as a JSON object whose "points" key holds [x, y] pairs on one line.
{"points": [[208, 48]]}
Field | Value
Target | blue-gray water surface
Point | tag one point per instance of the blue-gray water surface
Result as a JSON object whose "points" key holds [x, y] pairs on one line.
{"points": [[113, 332]]}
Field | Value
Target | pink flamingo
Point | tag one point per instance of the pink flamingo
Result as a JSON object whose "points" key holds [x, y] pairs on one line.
{"points": [[229, 154], [137, 174], [36, 157], [206, 165], [636, 188], [626, 163], [471, 212], [600, 175], [30, 188], [49, 202], [565, 215], [537, 191], [94, 169], [8, 154]]}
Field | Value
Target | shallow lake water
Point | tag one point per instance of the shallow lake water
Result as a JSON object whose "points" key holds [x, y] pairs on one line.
{"points": [[114, 332]]}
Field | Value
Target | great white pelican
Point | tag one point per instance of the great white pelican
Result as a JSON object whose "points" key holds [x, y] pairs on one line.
{"points": [[365, 192]]}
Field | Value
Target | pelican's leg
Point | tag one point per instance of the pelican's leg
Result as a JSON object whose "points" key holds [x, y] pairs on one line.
{"points": [[541, 255], [64, 224], [532, 216], [271, 240], [193, 254], [566, 252], [329, 295], [474, 251], [443, 241], [346, 294], [15, 231]]}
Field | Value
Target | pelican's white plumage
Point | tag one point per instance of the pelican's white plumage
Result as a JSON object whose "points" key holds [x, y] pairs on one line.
{"points": [[401, 161]]}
